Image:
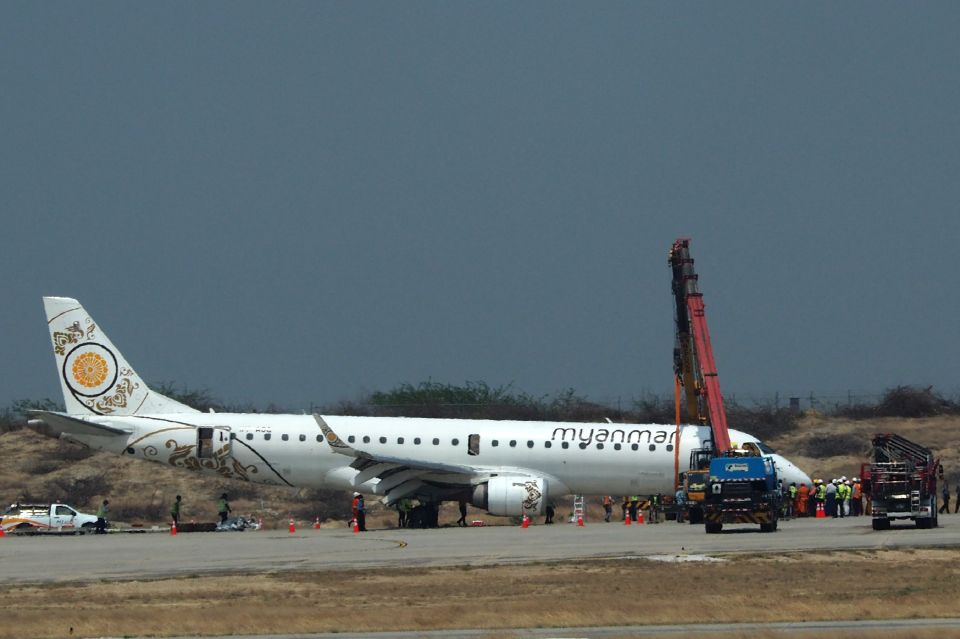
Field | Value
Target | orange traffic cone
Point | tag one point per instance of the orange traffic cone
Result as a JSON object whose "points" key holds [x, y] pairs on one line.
{"points": [[293, 527], [580, 521], [526, 521], [316, 524], [260, 523], [173, 528], [640, 516], [626, 520], [356, 526], [821, 513], [3, 533]]}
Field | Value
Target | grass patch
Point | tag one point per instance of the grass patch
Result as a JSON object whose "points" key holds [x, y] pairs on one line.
{"points": [[836, 586]]}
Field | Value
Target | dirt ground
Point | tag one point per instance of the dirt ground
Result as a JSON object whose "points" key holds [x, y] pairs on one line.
{"points": [[809, 586]]}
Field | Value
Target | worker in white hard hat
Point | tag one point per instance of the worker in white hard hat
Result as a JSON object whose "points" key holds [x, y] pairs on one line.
{"points": [[831, 504]]}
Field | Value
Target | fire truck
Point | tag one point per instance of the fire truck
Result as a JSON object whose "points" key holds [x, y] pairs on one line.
{"points": [[901, 481]]}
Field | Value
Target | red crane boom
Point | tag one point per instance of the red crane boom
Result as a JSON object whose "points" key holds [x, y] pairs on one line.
{"points": [[693, 362]]}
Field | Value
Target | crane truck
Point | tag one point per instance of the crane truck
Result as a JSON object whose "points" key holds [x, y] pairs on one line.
{"points": [[724, 485]]}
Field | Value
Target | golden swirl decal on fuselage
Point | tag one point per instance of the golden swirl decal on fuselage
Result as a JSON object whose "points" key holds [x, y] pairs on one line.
{"points": [[221, 462]]}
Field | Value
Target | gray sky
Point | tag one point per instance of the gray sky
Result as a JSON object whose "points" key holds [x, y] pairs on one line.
{"points": [[300, 202]]}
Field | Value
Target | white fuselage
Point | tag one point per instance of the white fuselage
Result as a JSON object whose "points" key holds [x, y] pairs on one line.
{"points": [[589, 459]]}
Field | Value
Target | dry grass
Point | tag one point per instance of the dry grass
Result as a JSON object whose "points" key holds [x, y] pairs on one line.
{"points": [[940, 434], [858, 585]]}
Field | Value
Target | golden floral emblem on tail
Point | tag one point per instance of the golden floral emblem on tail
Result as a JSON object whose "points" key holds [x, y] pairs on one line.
{"points": [[90, 370]]}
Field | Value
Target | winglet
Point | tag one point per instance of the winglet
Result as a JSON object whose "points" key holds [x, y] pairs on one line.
{"points": [[337, 444]]}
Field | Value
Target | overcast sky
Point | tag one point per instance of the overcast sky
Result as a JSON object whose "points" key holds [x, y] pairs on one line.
{"points": [[302, 202]]}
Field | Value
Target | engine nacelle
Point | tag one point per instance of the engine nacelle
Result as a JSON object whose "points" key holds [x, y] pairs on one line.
{"points": [[511, 496]]}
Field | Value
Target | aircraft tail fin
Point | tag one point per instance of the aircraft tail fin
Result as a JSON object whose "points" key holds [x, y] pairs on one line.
{"points": [[94, 376]]}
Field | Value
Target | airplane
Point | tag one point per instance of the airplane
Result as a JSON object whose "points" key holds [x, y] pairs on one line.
{"points": [[508, 468]]}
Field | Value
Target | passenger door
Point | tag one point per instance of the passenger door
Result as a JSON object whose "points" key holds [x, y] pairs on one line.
{"points": [[213, 442], [63, 517]]}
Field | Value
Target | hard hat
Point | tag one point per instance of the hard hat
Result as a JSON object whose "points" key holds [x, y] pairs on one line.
{"points": [[356, 494]]}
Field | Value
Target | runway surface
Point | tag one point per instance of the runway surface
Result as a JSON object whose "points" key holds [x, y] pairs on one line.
{"points": [[155, 555], [825, 628]]}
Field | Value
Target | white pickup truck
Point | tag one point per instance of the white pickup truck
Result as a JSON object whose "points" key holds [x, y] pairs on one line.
{"points": [[46, 517]]}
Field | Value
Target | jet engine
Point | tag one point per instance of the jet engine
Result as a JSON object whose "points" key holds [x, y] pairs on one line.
{"points": [[511, 496]]}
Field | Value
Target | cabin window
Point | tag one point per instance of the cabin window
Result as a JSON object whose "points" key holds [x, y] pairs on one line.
{"points": [[285, 437], [266, 437], [547, 444], [473, 444], [303, 438], [249, 436], [383, 440], [599, 446], [455, 442], [320, 438], [416, 441], [494, 443], [513, 443], [399, 440], [669, 447], [436, 441], [634, 447], [617, 446], [653, 446], [350, 439], [583, 445], [366, 439], [565, 444], [529, 443]]}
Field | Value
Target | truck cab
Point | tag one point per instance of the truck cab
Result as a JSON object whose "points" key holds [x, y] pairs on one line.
{"points": [[741, 488]]}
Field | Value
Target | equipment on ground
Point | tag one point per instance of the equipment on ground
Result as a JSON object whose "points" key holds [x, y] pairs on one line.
{"points": [[901, 482], [578, 510], [742, 489], [724, 484], [693, 363]]}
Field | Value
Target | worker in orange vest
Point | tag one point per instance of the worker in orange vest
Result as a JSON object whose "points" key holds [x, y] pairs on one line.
{"points": [[803, 495], [856, 501], [607, 507]]}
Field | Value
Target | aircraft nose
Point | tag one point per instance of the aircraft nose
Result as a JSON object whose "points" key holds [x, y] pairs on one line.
{"points": [[791, 473]]}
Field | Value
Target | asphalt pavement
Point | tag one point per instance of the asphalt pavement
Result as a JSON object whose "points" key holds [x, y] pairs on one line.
{"points": [[41, 559]]}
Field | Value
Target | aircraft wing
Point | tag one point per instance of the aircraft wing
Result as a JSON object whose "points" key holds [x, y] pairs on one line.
{"points": [[55, 424], [404, 476]]}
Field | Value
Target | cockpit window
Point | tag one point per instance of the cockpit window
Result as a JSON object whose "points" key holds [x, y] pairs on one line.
{"points": [[766, 450]]}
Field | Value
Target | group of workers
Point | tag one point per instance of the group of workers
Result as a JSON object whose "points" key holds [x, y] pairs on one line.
{"points": [[223, 509], [840, 497]]}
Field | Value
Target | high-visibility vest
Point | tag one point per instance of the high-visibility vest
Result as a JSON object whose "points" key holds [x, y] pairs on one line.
{"points": [[793, 492], [821, 492]]}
